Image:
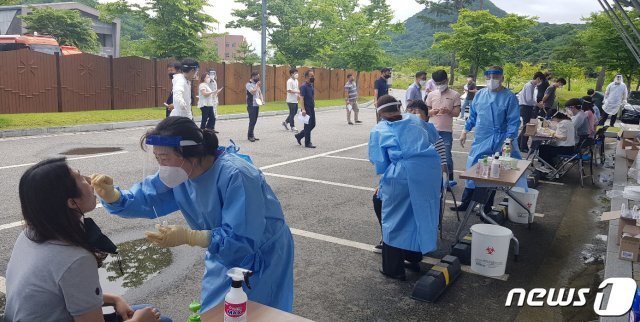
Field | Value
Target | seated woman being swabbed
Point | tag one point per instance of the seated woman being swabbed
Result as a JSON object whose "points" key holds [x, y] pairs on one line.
{"points": [[53, 271], [230, 209], [402, 149]]}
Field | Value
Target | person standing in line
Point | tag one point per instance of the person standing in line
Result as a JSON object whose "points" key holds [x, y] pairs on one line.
{"points": [[414, 91], [254, 100], [549, 98], [615, 96], [172, 69], [444, 105], [307, 93], [381, 87], [597, 99], [205, 102], [213, 86], [527, 101], [429, 87], [293, 95], [470, 89], [542, 88], [351, 99], [182, 88]]}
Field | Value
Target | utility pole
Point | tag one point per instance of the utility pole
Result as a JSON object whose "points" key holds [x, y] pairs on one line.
{"points": [[263, 73]]}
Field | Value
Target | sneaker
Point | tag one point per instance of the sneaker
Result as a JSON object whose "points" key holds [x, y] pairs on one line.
{"points": [[299, 139], [310, 146], [293, 129], [252, 139], [358, 122], [378, 248], [349, 123], [286, 127]]}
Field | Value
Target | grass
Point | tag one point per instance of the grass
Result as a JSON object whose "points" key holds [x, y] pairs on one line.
{"points": [[38, 120]]}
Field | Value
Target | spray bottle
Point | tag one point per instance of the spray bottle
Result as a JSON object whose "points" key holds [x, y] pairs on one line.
{"points": [[495, 166], [194, 307], [235, 303], [506, 148]]}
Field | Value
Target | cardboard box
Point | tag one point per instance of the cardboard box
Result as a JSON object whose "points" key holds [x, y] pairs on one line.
{"points": [[624, 222], [631, 154], [630, 140], [630, 245], [531, 129]]}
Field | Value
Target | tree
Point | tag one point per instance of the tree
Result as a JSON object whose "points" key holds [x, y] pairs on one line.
{"points": [[483, 39], [295, 28], [356, 33], [68, 27], [605, 47], [510, 71], [568, 69], [448, 11], [246, 54], [8, 2]]}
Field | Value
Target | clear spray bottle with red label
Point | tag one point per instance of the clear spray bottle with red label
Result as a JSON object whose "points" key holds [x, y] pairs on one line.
{"points": [[235, 303]]}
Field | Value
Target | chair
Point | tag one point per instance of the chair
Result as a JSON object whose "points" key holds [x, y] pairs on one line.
{"points": [[583, 153]]}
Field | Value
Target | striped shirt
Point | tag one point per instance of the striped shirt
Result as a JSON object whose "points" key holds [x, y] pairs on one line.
{"points": [[441, 151], [352, 90]]}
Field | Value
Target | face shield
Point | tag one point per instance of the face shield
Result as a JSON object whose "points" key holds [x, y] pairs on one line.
{"points": [[494, 78], [161, 157]]}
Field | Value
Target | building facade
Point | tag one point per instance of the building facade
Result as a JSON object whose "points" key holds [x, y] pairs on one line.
{"points": [[108, 32], [228, 46]]}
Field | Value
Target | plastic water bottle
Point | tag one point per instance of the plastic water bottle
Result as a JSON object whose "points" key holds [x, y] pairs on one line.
{"points": [[235, 303], [506, 148], [495, 167]]}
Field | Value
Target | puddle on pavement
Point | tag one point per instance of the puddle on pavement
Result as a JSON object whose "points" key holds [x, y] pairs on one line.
{"points": [[88, 151], [140, 261]]}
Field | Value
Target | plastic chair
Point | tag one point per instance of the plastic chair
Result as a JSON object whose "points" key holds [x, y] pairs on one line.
{"points": [[584, 153]]}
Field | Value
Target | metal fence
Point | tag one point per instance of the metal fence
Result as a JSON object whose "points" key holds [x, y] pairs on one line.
{"points": [[33, 82]]}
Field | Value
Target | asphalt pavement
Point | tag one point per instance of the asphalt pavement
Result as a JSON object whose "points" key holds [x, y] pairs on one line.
{"points": [[326, 196]]}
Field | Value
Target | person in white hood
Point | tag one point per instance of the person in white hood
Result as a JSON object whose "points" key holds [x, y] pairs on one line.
{"points": [[182, 88], [614, 97]]}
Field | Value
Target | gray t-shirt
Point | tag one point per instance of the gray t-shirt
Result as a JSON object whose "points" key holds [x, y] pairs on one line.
{"points": [[551, 91], [50, 282]]}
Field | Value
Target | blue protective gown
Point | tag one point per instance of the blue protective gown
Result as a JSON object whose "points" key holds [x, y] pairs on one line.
{"points": [[404, 153], [233, 200], [495, 117]]}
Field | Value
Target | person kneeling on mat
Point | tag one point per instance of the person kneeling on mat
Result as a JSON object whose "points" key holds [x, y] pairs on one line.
{"points": [[402, 149]]}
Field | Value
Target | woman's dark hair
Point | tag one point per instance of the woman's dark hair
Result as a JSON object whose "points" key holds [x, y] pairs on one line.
{"points": [[561, 116], [293, 71], [587, 103], [386, 99], [203, 76], [186, 130], [418, 105], [44, 190]]}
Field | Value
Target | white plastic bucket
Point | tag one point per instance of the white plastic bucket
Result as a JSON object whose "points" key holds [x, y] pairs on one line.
{"points": [[517, 213], [489, 249]]}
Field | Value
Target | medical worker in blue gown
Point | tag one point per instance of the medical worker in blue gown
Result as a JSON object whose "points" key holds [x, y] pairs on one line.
{"points": [[495, 115], [231, 211], [401, 147]]}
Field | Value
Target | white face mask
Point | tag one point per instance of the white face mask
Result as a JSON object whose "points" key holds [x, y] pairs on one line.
{"points": [[493, 84], [173, 176], [295, 76], [423, 82], [442, 88]]}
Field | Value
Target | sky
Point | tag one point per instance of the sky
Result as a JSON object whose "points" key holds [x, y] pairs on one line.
{"points": [[553, 11]]}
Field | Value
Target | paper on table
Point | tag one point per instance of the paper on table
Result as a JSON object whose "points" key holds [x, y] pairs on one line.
{"points": [[304, 119]]}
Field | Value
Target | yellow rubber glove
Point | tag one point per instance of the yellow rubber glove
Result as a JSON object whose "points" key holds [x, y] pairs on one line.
{"points": [[172, 235], [103, 186]]}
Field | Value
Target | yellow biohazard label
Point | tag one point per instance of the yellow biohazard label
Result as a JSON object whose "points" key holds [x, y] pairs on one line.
{"points": [[445, 272]]}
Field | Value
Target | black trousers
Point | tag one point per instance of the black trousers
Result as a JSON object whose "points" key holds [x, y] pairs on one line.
{"points": [[293, 110], [253, 119], [306, 132], [466, 200], [549, 152], [604, 116], [527, 113], [208, 118], [393, 259]]}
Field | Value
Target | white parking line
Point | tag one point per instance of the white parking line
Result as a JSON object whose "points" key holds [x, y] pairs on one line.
{"points": [[367, 247], [345, 158], [312, 156], [3, 285], [69, 159], [318, 181], [21, 223]]}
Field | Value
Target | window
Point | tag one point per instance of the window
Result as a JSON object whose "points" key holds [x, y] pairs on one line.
{"points": [[227, 45], [233, 45], [226, 55]]}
